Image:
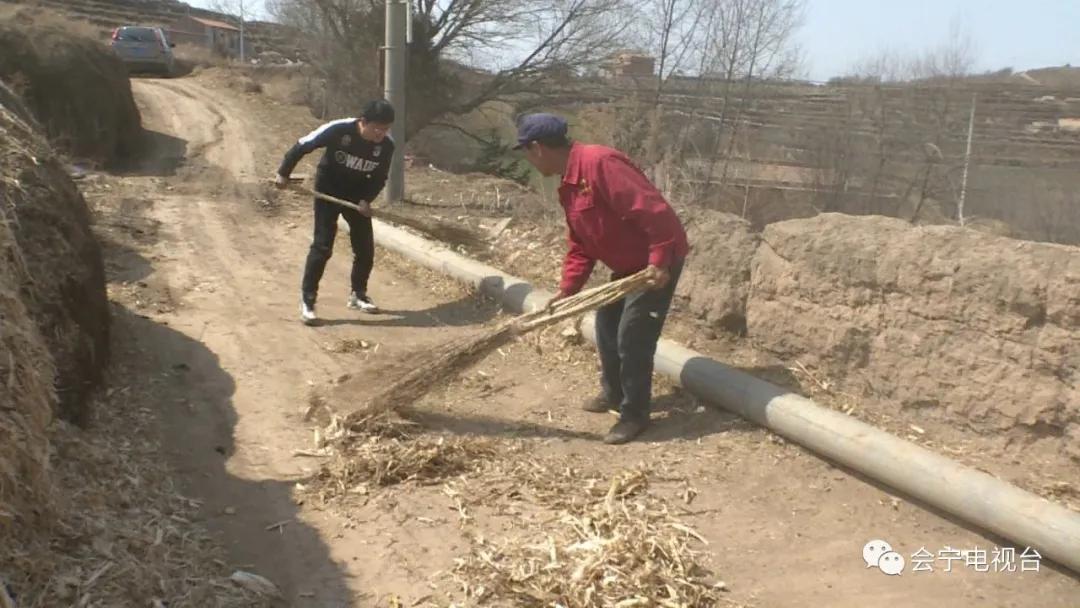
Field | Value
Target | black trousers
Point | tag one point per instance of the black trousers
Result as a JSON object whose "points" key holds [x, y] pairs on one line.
{"points": [[322, 247], [626, 335]]}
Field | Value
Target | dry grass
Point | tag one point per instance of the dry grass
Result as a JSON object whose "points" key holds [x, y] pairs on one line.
{"points": [[383, 449], [87, 518], [27, 371], [606, 545], [388, 456], [349, 345], [26, 391], [75, 85], [577, 539], [40, 17], [123, 535], [581, 541]]}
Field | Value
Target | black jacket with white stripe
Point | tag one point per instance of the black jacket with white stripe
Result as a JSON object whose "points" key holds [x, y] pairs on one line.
{"points": [[351, 168]]}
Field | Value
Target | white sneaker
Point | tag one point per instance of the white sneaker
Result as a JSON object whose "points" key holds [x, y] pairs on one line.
{"points": [[307, 313], [362, 303]]}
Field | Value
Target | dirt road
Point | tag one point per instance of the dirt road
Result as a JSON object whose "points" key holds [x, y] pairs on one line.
{"points": [[248, 363], [206, 290]]}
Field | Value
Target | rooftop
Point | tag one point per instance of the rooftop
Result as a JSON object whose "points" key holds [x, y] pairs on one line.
{"points": [[221, 25]]}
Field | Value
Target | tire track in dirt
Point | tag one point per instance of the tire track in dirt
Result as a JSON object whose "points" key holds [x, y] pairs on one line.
{"points": [[201, 241]]}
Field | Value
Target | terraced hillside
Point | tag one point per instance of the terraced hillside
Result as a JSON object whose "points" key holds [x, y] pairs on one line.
{"points": [[793, 150], [107, 14]]}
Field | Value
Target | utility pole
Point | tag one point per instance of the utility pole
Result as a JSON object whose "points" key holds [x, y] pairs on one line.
{"points": [[395, 49], [967, 162], [241, 31]]}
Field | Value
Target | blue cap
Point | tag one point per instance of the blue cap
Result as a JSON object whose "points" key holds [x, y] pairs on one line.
{"points": [[532, 127]]}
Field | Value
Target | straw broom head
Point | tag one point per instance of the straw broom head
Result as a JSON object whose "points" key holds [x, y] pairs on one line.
{"points": [[439, 365]]}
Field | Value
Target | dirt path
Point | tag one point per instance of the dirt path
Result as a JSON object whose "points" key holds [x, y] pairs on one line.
{"points": [[232, 281], [209, 291]]}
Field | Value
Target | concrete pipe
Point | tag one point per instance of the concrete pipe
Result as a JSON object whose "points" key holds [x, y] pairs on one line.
{"points": [[972, 496]]}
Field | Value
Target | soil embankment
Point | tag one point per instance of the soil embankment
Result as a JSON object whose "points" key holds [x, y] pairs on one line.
{"points": [[74, 86]]}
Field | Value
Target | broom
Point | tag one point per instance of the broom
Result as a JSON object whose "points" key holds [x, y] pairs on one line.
{"points": [[442, 231], [438, 365]]}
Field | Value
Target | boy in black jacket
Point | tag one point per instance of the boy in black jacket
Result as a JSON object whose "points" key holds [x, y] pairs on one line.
{"points": [[354, 167]]}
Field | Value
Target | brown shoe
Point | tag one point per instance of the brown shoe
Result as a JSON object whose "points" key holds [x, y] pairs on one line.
{"points": [[598, 405], [625, 430]]}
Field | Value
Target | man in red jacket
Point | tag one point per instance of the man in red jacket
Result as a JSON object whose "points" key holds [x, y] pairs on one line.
{"points": [[614, 215]]}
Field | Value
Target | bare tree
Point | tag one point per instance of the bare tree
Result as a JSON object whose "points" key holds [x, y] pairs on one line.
{"points": [[750, 41], [878, 110], [1055, 214], [674, 30], [569, 34], [933, 157], [914, 129], [519, 45], [731, 45], [832, 154], [955, 58], [671, 29], [885, 65]]}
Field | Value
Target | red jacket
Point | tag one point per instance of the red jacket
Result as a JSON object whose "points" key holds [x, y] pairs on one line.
{"points": [[614, 215]]}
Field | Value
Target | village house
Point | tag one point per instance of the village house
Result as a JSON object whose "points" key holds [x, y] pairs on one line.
{"points": [[629, 64], [218, 36]]}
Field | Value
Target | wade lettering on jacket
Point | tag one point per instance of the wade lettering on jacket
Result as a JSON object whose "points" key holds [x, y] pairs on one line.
{"points": [[355, 162]]}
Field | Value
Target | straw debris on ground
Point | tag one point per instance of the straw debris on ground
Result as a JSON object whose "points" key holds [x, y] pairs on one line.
{"points": [[578, 539], [349, 345], [383, 450], [123, 534], [587, 542], [380, 461], [613, 544]]}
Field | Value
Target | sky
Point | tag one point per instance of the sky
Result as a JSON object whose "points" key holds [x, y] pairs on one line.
{"points": [[1021, 34]]}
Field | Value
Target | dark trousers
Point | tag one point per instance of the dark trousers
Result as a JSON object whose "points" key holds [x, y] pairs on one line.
{"points": [[322, 247], [626, 335]]}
